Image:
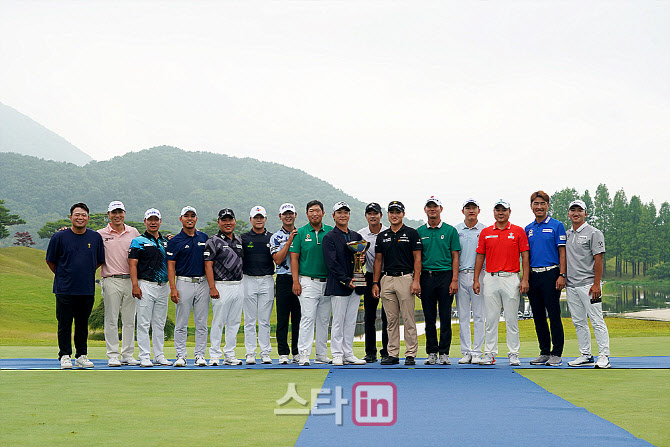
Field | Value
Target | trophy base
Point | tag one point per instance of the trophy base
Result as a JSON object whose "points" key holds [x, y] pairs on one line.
{"points": [[359, 280]]}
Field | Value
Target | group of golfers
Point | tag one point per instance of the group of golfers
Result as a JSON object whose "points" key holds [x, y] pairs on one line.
{"points": [[310, 272]]}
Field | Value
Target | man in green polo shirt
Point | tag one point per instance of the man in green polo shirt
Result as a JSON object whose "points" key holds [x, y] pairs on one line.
{"points": [[309, 272], [439, 279]]}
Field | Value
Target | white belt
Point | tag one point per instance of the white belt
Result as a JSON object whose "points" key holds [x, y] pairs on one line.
{"points": [[197, 279], [232, 283], [543, 269], [467, 271], [502, 273]]}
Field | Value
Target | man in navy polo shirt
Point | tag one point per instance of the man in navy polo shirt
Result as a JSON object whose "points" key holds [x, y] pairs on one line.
{"points": [[188, 286], [546, 238], [73, 256], [258, 268]]}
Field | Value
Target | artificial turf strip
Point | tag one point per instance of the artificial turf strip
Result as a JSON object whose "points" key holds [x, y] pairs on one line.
{"points": [[44, 408], [635, 400]]}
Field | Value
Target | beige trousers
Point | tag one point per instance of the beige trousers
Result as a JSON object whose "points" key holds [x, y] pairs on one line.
{"points": [[397, 300]]}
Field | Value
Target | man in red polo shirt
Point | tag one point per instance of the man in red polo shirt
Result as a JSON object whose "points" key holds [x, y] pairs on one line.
{"points": [[500, 245]]}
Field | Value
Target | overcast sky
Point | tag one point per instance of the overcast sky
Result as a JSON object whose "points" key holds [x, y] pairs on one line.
{"points": [[385, 100]]}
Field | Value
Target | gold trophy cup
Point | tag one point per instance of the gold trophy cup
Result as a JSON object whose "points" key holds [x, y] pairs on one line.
{"points": [[359, 248]]}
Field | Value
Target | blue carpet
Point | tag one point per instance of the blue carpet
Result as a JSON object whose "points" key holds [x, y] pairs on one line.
{"points": [[460, 407], [653, 362]]}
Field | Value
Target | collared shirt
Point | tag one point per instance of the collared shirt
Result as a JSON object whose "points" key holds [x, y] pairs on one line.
{"points": [[339, 260], [151, 256], [397, 249], [469, 238], [187, 252], [308, 244], [277, 242], [372, 239], [257, 257], [436, 246], [544, 238], [76, 257], [502, 247], [226, 255], [582, 246], [116, 249]]}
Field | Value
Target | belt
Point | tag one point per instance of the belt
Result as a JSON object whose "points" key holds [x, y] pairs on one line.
{"points": [[543, 269], [315, 279], [502, 273], [467, 271], [118, 276], [153, 282], [197, 279], [233, 282], [434, 273], [397, 273]]}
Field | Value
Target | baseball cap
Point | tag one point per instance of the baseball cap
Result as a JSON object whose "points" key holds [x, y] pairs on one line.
{"points": [[502, 203], [579, 203], [341, 205], [152, 212], [433, 199], [226, 212], [255, 211], [396, 205], [469, 201], [286, 207], [116, 205], [373, 206], [186, 209]]}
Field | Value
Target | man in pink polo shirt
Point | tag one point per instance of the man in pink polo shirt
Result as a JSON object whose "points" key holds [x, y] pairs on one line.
{"points": [[116, 286]]}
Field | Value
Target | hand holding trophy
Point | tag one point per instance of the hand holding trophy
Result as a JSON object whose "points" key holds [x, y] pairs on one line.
{"points": [[359, 248]]}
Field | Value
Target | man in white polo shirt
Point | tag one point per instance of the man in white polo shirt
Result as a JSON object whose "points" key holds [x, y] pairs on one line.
{"points": [[117, 288]]}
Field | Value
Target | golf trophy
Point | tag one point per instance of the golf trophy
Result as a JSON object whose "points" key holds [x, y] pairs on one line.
{"points": [[359, 248]]}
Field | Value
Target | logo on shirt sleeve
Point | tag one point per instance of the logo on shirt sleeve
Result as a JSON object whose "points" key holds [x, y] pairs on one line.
{"points": [[562, 237]]}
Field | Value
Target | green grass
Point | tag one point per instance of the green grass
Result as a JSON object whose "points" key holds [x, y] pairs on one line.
{"points": [[150, 408]]}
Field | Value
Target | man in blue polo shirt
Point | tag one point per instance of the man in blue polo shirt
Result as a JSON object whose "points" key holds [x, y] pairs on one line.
{"points": [[188, 286], [546, 238]]}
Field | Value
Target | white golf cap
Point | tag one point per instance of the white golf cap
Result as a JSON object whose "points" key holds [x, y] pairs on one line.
{"points": [[502, 203], [186, 209], [341, 205], [152, 212], [466, 202], [433, 199], [579, 203], [255, 211], [286, 207], [116, 205]]}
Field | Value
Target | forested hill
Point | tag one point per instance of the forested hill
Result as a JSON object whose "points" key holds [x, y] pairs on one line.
{"points": [[164, 177], [22, 135]]}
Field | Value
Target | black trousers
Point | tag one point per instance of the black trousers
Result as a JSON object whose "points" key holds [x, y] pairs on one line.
{"points": [[542, 296], [434, 295], [370, 304], [288, 306], [69, 308]]}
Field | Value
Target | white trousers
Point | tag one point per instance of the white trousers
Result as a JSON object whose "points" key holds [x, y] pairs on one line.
{"points": [[579, 303], [117, 296], [467, 299], [259, 295], [192, 295], [226, 312], [501, 292], [152, 311], [345, 311], [314, 311]]}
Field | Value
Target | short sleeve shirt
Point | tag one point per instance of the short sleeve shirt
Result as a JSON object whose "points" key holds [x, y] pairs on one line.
{"points": [[116, 249], [468, 237], [187, 252], [257, 257], [307, 243], [544, 238], [502, 247], [151, 255], [397, 249], [76, 257], [583, 244], [436, 246], [226, 256], [277, 242], [372, 239]]}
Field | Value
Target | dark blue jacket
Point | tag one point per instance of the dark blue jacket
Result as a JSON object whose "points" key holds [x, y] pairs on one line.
{"points": [[339, 260]]}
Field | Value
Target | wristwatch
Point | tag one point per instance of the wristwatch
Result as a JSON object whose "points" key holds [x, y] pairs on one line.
{"points": [[564, 275]]}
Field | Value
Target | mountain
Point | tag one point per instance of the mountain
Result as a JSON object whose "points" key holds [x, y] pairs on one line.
{"points": [[22, 135], [166, 178]]}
